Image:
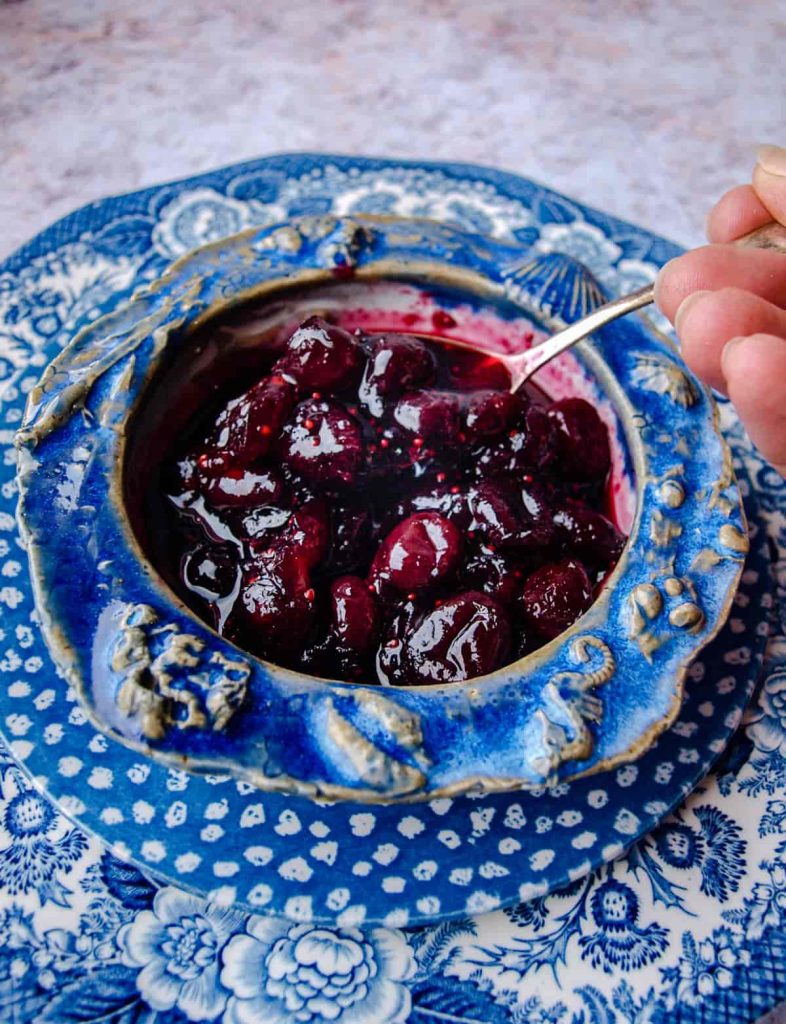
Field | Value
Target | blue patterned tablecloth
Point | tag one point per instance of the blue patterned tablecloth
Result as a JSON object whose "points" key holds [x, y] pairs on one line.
{"points": [[689, 926]]}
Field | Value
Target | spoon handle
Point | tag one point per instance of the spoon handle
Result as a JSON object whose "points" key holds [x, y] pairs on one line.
{"points": [[524, 365]]}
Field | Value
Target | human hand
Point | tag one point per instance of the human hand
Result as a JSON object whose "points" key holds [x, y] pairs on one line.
{"points": [[728, 306]]}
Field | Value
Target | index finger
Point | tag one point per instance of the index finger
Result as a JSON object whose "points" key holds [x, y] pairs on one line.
{"points": [[721, 266], [736, 213]]}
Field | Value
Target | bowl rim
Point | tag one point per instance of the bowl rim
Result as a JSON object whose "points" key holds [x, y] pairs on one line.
{"points": [[341, 235]]}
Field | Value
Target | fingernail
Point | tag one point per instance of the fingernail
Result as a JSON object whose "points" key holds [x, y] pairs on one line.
{"points": [[726, 352], [772, 159], [685, 305]]}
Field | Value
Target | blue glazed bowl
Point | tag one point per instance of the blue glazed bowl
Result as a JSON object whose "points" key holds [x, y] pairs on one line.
{"points": [[154, 676]]}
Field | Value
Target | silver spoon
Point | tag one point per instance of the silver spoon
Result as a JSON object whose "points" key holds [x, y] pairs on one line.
{"points": [[523, 365]]}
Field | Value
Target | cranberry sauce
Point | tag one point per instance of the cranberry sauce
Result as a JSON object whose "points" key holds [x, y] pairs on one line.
{"points": [[379, 508]]}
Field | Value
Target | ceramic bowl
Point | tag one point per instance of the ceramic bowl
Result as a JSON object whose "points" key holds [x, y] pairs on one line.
{"points": [[151, 674]]}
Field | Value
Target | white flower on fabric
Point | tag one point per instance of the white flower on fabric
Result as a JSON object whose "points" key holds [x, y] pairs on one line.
{"points": [[177, 944], [283, 973]]}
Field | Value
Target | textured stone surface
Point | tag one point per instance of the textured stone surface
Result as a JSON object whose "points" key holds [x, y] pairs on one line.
{"points": [[648, 110]]}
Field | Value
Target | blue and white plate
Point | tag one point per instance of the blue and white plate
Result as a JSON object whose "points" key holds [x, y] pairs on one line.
{"points": [[690, 926], [269, 852]]}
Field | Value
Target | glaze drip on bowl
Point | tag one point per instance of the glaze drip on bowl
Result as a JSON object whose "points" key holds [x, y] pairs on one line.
{"points": [[377, 506]]}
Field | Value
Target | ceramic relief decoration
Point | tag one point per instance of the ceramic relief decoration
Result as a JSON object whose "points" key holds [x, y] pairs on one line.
{"points": [[186, 897], [151, 675]]}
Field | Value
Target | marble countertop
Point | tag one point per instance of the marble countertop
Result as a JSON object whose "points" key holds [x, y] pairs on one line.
{"points": [[645, 109]]}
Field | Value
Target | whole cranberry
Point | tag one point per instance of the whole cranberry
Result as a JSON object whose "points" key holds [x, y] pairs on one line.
{"points": [[499, 515], [526, 448], [466, 636], [538, 529], [395, 363], [319, 355], [420, 551], [582, 439], [588, 534], [492, 513], [242, 488], [323, 444], [431, 415], [490, 413], [276, 603], [390, 651], [249, 425], [353, 615], [554, 596]]}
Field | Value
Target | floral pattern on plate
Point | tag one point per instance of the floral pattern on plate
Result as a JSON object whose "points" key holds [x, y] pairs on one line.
{"points": [[689, 926], [394, 866]]}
